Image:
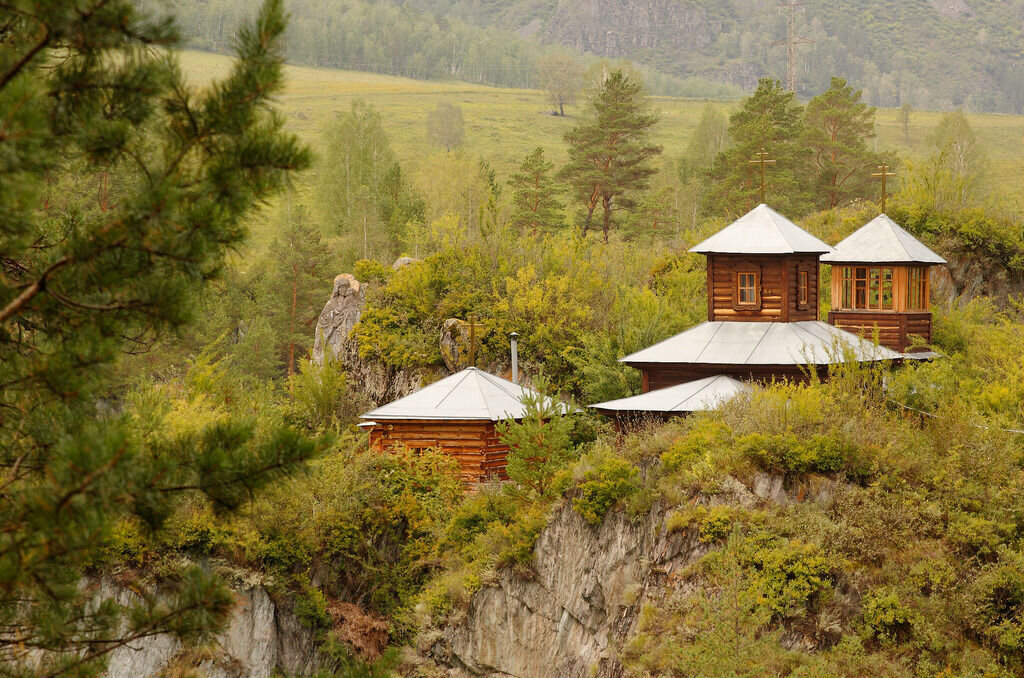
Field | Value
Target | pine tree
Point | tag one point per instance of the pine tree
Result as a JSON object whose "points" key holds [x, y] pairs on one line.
{"points": [[838, 125], [298, 284], [771, 120], [81, 87], [609, 153], [535, 204]]}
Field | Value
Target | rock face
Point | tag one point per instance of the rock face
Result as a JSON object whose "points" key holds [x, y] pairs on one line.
{"points": [[455, 342], [340, 315], [570, 617], [565, 621], [262, 639]]}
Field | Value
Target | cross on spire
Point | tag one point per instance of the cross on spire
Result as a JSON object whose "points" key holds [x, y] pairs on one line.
{"points": [[883, 173], [762, 160]]}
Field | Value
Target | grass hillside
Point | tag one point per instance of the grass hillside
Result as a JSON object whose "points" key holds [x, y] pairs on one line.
{"points": [[502, 125]]}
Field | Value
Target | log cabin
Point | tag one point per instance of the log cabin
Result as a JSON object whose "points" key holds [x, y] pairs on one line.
{"points": [[880, 286], [457, 416], [763, 286]]}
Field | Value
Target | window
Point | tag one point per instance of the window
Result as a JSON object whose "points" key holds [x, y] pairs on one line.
{"points": [[803, 289], [747, 294], [917, 291], [865, 287]]}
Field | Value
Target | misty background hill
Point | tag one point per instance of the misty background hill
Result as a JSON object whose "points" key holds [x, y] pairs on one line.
{"points": [[934, 54]]}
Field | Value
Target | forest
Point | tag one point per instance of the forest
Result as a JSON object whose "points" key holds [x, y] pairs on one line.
{"points": [[173, 222], [930, 54]]}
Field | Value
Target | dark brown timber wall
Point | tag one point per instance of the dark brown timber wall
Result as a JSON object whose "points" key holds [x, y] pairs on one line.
{"points": [[895, 330], [474, 444], [778, 293]]}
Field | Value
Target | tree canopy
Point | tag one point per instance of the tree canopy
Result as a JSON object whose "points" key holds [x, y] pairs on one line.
{"points": [[609, 153], [86, 101]]}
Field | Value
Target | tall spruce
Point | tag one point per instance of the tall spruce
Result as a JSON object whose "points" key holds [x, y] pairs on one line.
{"points": [[81, 87], [770, 119], [609, 153], [838, 125], [535, 203]]}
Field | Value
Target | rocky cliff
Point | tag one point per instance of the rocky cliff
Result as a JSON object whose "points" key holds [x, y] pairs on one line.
{"points": [[569, 617], [263, 638]]}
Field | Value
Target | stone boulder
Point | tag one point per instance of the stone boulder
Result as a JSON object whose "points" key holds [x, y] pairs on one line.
{"points": [[340, 315], [455, 344], [402, 262]]}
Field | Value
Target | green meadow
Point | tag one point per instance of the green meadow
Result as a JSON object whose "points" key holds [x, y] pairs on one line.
{"points": [[502, 125]]}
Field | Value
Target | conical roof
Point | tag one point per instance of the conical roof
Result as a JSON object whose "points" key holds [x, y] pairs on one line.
{"points": [[469, 394], [808, 342], [881, 241], [762, 230], [693, 396]]}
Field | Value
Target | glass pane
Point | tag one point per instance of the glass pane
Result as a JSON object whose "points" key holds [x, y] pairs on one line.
{"points": [[873, 297], [847, 293]]}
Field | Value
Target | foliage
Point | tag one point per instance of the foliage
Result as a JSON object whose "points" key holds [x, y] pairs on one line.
{"points": [[361, 192], [535, 204], [609, 152], [562, 77], [179, 170], [445, 125], [772, 121], [838, 126], [540, 443], [604, 479]]}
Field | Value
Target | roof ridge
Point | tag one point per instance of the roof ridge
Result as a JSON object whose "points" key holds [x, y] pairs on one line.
{"points": [[465, 374], [694, 394]]}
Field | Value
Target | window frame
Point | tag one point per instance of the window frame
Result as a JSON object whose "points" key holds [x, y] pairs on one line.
{"points": [[867, 288], [803, 289], [740, 305]]}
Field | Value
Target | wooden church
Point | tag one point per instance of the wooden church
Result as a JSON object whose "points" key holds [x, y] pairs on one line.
{"points": [[880, 285], [763, 325], [456, 415]]}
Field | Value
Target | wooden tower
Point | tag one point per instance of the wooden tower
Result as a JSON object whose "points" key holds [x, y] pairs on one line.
{"points": [[880, 284], [763, 321]]}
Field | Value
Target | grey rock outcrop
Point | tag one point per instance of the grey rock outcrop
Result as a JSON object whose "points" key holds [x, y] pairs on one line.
{"points": [[340, 315], [342, 311], [566, 620], [402, 262], [261, 639], [455, 342]]}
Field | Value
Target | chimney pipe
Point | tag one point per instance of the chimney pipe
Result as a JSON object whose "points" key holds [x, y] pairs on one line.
{"points": [[515, 357]]}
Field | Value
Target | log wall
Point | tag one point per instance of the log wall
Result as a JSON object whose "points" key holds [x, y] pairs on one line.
{"points": [[895, 330], [779, 298], [474, 444], [657, 376]]}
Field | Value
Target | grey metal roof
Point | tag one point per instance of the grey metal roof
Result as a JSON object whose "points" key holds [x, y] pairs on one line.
{"points": [[469, 394], [693, 396], [762, 230], [809, 342], [881, 241]]}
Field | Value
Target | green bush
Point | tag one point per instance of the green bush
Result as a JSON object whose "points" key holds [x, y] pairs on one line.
{"points": [[886, 617], [788, 574], [606, 480], [790, 453]]}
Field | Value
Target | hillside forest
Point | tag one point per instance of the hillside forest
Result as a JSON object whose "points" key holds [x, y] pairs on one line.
{"points": [[172, 223], [930, 54]]}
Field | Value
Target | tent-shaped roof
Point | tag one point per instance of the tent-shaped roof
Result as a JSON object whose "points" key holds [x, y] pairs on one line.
{"points": [[762, 230], [471, 394], [810, 342], [693, 396], [881, 241]]}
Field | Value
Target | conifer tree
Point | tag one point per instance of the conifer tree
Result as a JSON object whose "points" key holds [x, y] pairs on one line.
{"points": [[80, 86], [609, 153], [535, 204], [771, 120], [838, 125]]}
